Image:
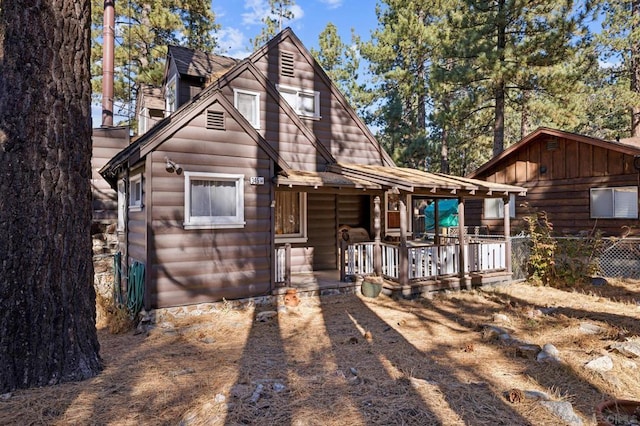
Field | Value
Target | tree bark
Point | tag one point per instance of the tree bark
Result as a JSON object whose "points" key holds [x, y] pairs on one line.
{"points": [[47, 298], [498, 126], [635, 72]]}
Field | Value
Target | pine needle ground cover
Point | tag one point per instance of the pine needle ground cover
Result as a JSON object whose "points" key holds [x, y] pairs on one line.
{"points": [[351, 360]]}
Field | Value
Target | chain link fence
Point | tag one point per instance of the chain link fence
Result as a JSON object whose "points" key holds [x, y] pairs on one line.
{"points": [[611, 257]]}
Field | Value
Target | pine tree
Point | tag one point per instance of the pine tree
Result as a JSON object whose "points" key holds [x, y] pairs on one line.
{"points": [[143, 30], [619, 44], [47, 303], [280, 13], [509, 52], [399, 53], [342, 64]]}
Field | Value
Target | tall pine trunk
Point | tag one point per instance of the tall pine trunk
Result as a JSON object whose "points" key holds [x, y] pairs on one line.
{"points": [[635, 72], [499, 85], [47, 299]]}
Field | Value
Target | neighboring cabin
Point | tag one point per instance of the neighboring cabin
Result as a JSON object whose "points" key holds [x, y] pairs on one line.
{"points": [[106, 142], [583, 183], [251, 157]]}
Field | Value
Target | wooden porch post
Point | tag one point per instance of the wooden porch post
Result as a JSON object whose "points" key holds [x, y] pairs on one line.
{"points": [[507, 233], [343, 260], [287, 264], [462, 243], [403, 263], [436, 222], [377, 248]]}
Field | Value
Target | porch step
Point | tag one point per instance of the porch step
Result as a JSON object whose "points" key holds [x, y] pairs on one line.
{"points": [[423, 288]]}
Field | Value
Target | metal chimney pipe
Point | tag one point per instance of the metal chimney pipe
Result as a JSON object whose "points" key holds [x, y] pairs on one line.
{"points": [[108, 42]]}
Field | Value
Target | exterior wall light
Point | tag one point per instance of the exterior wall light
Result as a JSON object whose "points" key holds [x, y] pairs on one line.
{"points": [[172, 166]]}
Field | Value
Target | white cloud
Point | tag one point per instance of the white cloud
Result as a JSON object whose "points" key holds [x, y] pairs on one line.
{"points": [[259, 9], [298, 13], [232, 42], [332, 4]]}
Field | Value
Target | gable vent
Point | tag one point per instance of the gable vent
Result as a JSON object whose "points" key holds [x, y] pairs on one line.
{"points": [[215, 120], [552, 144], [286, 64]]}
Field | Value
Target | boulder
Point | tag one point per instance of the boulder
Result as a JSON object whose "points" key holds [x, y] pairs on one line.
{"points": [[602, 364]]}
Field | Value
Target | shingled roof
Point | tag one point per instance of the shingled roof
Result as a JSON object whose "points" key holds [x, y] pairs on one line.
{"points": [[194, 63]]}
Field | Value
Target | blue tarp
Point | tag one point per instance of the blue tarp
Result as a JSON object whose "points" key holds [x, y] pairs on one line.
{"points": [[447, 214]]}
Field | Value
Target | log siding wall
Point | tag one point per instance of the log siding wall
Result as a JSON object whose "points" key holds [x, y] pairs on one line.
{"points": [[563, 190], [336, 128], [203, 265], [107, 142]]}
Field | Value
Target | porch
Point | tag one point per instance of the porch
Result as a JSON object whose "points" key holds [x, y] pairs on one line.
{"points": [[412, 270], [409, 242]]}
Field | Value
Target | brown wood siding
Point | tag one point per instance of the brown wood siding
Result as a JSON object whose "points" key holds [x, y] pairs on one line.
{"points": [[353, 210], [277, 128], [336, 128], [136, 223], [205, 265], [564, 190], [322, 229], [184, 91], [107, 142]]}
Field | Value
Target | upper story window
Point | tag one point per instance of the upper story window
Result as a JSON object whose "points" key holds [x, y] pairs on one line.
{"points": [[171, 96], [213, 200], [135, 192], [305, 102], [248, 103], [494, 207], [614, 203]]}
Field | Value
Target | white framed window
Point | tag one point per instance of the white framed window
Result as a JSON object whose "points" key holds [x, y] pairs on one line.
{"points": [[392, 214], [304, 102], [614, 203], [135, 192], [494, 207], [213, 200], [121, 204], [291, 217], [248, 103], [171, 96]]}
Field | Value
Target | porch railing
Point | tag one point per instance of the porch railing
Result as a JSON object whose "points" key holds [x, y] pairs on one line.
{"points": [[423, 262], [428, 262], [282, 260], [360, 258], [486, 256]]}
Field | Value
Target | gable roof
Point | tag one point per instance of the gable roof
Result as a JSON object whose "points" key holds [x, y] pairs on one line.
{"points": [[625, 148], [170, 125], [195, 63], [287, 33], [386, 175], [270, 89]]}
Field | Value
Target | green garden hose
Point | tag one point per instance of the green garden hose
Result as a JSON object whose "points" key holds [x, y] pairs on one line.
{"points": [[135, 289]]}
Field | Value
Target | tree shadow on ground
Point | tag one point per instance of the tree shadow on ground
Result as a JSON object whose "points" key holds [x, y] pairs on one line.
{"points": [[436, 388], [131, 389], [559, 377]]}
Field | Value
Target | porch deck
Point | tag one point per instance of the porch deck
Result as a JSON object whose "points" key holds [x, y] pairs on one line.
{"points": [[326, 283]]}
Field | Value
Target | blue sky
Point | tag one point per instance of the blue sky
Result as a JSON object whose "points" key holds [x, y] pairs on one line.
{"points": [[241, 21]]}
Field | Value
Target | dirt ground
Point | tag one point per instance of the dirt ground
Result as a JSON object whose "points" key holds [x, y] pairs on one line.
{"points": [[349, 360]]}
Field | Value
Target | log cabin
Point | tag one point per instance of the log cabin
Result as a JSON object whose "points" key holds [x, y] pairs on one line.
{"points": [[264, 175], [582, 183]]}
